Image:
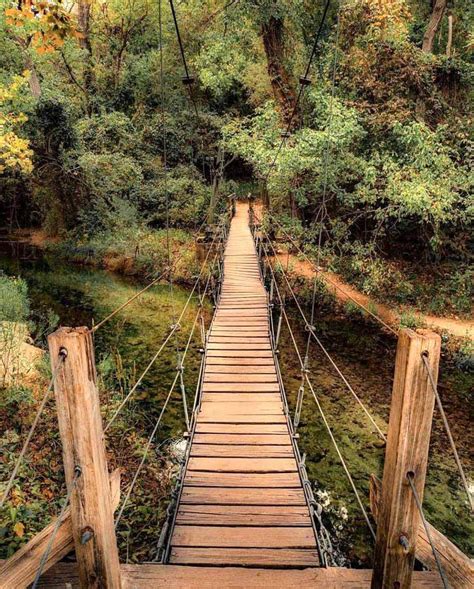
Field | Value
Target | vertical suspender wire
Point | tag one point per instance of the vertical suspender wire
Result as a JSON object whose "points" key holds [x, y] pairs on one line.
{"points": [[320, 409], [448, 429], [167, 200], [57, 525], [157, 424], [320, 344], [410, 477], [323, 212], [162, 346]]}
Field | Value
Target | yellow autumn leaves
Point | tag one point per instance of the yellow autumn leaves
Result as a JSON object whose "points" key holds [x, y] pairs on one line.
{"points": [[15, 152], [46, 24]]}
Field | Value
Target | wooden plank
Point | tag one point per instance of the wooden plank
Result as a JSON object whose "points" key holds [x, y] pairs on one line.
{"points": [[236, 339], [238, 346], [242, 470], [273, 480], [458, 568], [233, 361], [242, 387], [288, 558], [241, 451], [242, 428], [243, 515], [236, 397], [242, 496], [240, 354], [238, 409], [21, 568], [244, 537], [245, 439], [229, 418], [243, 464], [151, 576], [236, 369], [242, 376]]}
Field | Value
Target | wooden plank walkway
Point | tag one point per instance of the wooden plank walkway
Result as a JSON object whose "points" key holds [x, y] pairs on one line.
{"points": [[242, 502]]}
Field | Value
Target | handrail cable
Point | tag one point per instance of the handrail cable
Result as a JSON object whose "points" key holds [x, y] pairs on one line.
{"points": [[163, 409], [301, 89], [57, 525], [188, 79], [311, 330], [317, 269], [318, 404], [410, 477], [424, 357], [62, 356], [136, 295], [174, 328]]}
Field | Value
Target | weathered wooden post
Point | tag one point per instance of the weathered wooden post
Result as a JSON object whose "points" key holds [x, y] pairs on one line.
{"points": [[80, 426], [411, 415]]}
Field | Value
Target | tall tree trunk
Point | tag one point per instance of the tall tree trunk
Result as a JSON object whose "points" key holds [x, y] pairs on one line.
{"points": [[272, 33], [33, 81], [433, 25], [84, 18]]}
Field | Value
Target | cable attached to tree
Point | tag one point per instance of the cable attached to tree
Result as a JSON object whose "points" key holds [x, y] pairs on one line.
{"points": [[304, 82], [188, 80]]}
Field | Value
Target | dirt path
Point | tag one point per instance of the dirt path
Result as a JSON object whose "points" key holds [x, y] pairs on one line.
{"points": [[345, 292]]}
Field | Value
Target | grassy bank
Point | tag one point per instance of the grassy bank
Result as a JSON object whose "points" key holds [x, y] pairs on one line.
{"points": [[138, 252]]}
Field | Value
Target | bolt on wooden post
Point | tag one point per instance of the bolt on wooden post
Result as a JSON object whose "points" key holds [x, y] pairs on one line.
{"points": [[80, 427], [411, 415]]}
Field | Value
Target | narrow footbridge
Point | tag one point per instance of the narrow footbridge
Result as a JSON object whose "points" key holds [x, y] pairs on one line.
{"points": [[243, 501], [243, 513]]}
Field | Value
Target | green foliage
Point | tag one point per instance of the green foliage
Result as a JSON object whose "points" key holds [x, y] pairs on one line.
{"points": [[14, 302]]}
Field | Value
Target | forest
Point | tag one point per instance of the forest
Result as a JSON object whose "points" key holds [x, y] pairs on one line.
{"points": [[126, 129], [383, 131]]}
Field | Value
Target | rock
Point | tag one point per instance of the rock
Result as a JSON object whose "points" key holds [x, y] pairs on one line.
{"points": [[18, 358]]}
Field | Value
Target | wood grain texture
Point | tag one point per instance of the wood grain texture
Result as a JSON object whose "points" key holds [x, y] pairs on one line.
{"points": [[411, 415], [20, 569], [151, 576], [80, 427], [458, 568]]}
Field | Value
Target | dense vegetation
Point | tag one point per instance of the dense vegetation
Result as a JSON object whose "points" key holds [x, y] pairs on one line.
{"points": [[378, 159]]}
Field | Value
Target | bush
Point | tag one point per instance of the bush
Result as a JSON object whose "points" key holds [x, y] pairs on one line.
{"points": [[14, 303]]}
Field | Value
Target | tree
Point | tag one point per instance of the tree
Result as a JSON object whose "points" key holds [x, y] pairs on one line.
{"points": [[15, 153], [433, 25], [41, 26], [272, 31]]}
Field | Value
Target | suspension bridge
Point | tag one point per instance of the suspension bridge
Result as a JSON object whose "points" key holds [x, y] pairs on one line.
{"points": [[243, 512]]}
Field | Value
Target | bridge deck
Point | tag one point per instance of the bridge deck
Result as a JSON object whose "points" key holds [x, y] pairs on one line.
{"points": [[242, 501]]}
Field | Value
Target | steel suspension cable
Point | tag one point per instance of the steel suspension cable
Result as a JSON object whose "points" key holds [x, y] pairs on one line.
{"points": [[448, 429], [54, 533], [410, 477], [311, 331], [320, 409], [174, 328], [188, 79], [301, 89], [162, 412], [11, 480]]}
